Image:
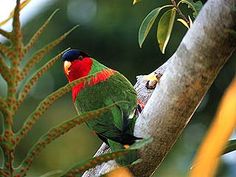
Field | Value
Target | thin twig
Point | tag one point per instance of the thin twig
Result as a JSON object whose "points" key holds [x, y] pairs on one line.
{"points": [[180, 12]]}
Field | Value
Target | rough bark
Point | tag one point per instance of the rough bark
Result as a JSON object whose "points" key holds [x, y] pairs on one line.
{"points": [[187, 76]]}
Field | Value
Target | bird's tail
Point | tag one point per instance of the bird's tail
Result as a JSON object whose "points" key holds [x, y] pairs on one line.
{"points": [[129, 159], [126, 139]]}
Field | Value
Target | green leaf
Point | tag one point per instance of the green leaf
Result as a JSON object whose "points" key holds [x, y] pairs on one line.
{"points": [[183, 22], [195, 6], [165, 27], [231, 146], [148, 23], [136, 1]]}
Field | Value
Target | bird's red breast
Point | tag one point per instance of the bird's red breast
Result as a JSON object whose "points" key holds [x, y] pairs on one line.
{"points": [[82, 68]]}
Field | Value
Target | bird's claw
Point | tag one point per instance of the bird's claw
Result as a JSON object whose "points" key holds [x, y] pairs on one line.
{"points": [[152, 80]]}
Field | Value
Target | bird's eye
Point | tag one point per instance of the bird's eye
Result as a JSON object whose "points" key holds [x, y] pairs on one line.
{"points": [[80, 57]]}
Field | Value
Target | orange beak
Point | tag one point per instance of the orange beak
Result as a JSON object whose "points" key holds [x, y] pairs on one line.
{"points": [[67, 65]]}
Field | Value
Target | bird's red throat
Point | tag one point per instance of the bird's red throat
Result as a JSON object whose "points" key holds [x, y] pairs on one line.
{"points": [[82, 68]]}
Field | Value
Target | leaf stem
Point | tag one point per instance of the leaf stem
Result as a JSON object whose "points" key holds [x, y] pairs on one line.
{"points": [[180, 12]]}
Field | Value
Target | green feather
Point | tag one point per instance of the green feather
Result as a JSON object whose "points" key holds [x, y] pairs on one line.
{"points": [[115, 125]]}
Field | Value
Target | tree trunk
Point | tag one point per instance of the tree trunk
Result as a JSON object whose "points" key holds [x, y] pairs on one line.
{"points": [[187, 76]]}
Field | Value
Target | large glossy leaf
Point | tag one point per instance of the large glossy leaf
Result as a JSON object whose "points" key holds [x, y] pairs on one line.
{"points": [[165, 27], [148, 23], [231, 146]]}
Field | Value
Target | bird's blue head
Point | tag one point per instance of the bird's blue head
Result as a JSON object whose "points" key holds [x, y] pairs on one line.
{"points": [[73, 54]]}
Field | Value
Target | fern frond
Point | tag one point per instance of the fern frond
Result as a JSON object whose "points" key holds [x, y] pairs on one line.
{"points": [[16, 21], [42, 52], [46, 103], [3, 173], [3, 105], [59, 130], [33, 80], [6, 51], [80, 168], [6, 34], [5, 111], [52, 173], [18, 45], [4, 70], [36, 36]]}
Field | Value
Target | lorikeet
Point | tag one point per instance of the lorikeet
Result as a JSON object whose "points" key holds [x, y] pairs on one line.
{"points": [[108, 86]]}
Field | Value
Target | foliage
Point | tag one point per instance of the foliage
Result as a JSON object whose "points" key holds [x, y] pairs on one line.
{"points": [[231, 146], [82, 167], [22, 5], [14, 75], [166, 22], [213, 146]]}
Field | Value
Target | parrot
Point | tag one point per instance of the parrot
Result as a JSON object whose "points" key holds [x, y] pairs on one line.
{"points": [[107, 86]]}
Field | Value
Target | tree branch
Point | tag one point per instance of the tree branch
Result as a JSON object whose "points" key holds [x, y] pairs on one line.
{"points": [[189, 74]]}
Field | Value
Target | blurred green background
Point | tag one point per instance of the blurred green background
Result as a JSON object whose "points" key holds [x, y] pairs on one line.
{"points": [[108, 31]]}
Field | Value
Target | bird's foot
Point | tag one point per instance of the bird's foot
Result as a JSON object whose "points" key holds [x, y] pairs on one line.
{"points": [[152, 80], [126, 146]]}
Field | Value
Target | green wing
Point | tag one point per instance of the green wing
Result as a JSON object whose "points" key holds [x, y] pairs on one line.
{"points": [[110, 125]]}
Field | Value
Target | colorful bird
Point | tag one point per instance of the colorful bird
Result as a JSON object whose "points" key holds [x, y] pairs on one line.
{"points": [[106, 87]]}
